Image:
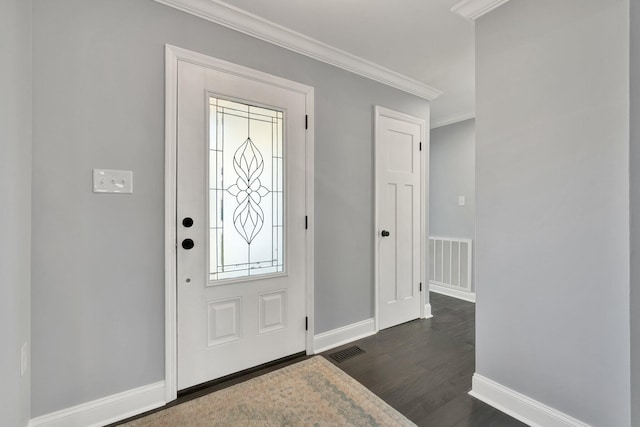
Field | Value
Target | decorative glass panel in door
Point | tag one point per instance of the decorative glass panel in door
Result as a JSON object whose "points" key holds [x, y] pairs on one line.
{"points": [[246, 190]]}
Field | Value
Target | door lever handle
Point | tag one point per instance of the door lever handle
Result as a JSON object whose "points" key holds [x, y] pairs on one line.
{"points": [[385, 233]]}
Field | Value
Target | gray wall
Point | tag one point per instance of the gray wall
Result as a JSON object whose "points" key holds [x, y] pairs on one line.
{"points": [[15, 207], [635, 212], [452, 173], [552, 191], [98, 284]]}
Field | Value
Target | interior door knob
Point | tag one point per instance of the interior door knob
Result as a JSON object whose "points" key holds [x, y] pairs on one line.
{"points": [[385, 233], [188, 244]]}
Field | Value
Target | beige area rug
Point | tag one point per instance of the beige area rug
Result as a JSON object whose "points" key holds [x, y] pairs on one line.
{"points": [[309, 393]]}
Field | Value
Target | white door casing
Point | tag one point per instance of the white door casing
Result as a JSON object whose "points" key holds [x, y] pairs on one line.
{"points": [[217, 327], [401, 148]]}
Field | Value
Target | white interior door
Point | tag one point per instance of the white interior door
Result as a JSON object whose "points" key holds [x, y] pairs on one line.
{"points": [[399, 201], [240, 212]]}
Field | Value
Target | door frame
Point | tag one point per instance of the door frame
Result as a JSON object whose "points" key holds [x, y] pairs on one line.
{"points": [[172, 55], [424, 213]]}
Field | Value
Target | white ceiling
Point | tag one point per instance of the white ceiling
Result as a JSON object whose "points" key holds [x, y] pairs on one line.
{"points": [[421, 39]]}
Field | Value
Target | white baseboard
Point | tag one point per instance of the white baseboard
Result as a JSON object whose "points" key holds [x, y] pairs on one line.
{"points": [[427, 311], [344, 335], [467, 296], [519, 406], [107, 409]]}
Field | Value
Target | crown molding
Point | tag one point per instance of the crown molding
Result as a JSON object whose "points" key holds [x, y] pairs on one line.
{"points": [[242, 21], [474, 9], [452, 119]]}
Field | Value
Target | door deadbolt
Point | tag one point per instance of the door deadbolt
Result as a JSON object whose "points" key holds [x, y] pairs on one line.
{"points": [[187, 222], [187, 244], [385, 233]]}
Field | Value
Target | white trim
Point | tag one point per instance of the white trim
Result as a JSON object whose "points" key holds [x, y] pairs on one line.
{"points": [[242, 21], [519, 406], [474, 9], [170, 230], [467, 296], [424, 217], [172, 55], [424, 199], [344, 335], [453, 239], [107, 409], [452, 119], [310, 235], [427, 311]]}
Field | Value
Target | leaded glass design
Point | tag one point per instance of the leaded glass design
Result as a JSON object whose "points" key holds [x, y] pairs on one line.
{"points": [[246, 190]]}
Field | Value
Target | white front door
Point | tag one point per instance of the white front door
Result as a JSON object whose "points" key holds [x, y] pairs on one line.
{"points": [[240, 213], [399, 202]]}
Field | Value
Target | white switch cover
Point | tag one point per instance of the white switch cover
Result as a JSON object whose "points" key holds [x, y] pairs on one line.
{"points": [[461, 200], [112, 181]]}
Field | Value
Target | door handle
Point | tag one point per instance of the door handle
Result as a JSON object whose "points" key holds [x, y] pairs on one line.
{"points": [[385, 233], [188, 244]]}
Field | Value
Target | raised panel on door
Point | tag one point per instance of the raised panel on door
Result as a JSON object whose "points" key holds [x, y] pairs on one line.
{"points": [[388, 272], [406, 274]]}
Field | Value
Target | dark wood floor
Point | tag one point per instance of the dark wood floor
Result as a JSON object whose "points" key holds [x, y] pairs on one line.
{"points": [[421, 368]]}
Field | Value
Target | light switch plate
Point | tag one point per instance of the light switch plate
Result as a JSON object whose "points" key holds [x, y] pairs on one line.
{"points": [[112, 181], [461, 200]]}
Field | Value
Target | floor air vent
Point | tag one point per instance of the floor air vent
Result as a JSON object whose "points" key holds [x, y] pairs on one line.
{"points": [[347, 353]]}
